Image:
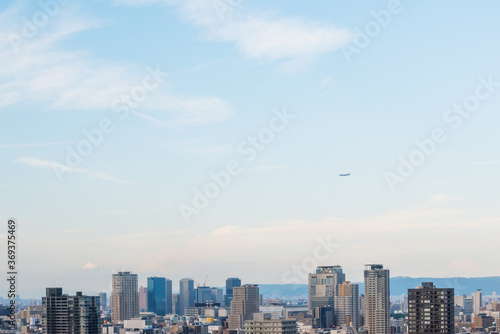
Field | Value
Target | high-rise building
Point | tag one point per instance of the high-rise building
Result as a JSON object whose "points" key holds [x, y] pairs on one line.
{"points": [[377, 300], [103, 300], [324, 317], [176, 308], [203, 295], [430, 310], [347, 305], [322, 287], [168, 295], [477, 301], [245, 303], [64, 314], [143, 298], [186, 294], [218, 296], [231, 283], [263, 324], [125, 297], [156, 295]]}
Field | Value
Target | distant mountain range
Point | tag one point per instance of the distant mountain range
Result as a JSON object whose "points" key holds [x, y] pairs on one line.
{"points": [[399, 286]]}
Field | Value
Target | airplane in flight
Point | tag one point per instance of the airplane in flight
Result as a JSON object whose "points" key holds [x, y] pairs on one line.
{"points": [[348, 174]]}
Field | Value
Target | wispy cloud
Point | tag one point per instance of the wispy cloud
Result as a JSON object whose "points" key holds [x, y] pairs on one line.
{"points": [[109, 177], [262, 36], [54, 165], [35, 162], [42, 72], [442, 198]]}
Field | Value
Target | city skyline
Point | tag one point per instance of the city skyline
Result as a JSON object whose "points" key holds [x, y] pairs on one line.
{"points": [[140, 134]]}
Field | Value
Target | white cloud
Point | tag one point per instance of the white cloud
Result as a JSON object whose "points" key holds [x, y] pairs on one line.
{"points": [[35, 162], [260, 35], [40, 71], [441, 198], [57, 166], [90, 265]]}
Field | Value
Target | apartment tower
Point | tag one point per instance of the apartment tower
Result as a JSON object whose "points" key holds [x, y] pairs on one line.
{"points": [[377, 300], [124, 297]]}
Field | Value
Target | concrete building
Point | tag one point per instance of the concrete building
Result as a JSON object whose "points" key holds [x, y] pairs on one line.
{"points": [[477, 301], [483, 321], [124, 297], [430, 310], [322, 286], [347, 305], [186, 294], [143, 298], [377, 300], [262, 323], [64, 314], [244, 304]]}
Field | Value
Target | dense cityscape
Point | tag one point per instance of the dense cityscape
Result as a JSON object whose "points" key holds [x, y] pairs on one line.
{"points": [[334, 305], [249, 166]]}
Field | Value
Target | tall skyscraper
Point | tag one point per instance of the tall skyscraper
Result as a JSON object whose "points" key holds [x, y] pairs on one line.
{"points": [[347, 305], [323, 286], [477, 301], [377, 300], [231, 283], [103, 300], [186, 294], [245, 303], [64, 314], [156, 295], [125, 297], [430, 310], [168, 295]]}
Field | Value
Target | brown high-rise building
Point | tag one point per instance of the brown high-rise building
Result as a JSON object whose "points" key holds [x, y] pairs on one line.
{"points": [[125, 297], [377, 300], [430, 310], [244, 304], [347, 305]]}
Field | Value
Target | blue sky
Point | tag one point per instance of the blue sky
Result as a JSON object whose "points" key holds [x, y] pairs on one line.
{"points": [[224, 68]]}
